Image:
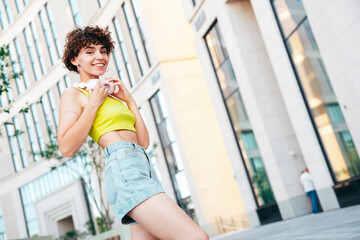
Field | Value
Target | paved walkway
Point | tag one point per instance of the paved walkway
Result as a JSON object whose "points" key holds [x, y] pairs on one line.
{"points": [[340, 224]]}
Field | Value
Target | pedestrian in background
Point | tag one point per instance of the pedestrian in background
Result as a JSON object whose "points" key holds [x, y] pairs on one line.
{"points": [[308, 186]]}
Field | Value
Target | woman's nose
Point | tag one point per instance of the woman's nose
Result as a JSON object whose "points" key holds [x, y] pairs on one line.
{"points": [[98, 55]]}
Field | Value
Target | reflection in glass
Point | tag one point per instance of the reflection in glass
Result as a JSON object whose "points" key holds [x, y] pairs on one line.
{"points": [[237, 113], [320, 97], [172, 156]]}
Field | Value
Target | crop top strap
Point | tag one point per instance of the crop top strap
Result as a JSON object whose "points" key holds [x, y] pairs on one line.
{"points": [[86, 93]]}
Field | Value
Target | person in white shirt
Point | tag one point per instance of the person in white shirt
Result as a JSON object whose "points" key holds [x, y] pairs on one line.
{"points": [[308, 186]]}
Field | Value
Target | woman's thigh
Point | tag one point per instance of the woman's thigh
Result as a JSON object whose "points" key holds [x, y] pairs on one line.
{"points": [[164, 219], [139, 233]]}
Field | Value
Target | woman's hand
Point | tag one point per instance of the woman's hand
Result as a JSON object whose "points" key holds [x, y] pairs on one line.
{"points": [[97, 95], [123, 93]]}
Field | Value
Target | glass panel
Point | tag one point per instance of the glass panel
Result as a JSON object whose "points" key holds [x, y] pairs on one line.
{"points": [[124, 52], [2, 21], [227, 78], [32, 135], [134, 38], [53, 32], [237, 113], [34, 64], [322, 101], [53, 107], [15, 67], [38, 47], [47, 113], [75, 12], [13, 146], [21, 143], [164, 134], [7, 10], [137, 15], [67, 81], [248, 139], [261, 181], [21, 62], [18, 6], [37, 127], [215, 42], [182, 184], [172, 155], [49, 42], [290, 13]]}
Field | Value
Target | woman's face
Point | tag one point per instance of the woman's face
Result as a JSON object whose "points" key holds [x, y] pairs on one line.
{"points": [[91, 61]]}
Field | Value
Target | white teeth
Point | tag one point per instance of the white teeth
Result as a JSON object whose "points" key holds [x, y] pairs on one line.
{"points": [[99, 65]]}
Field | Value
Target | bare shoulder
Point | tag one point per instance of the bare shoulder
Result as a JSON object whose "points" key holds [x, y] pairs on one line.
{"points": [[72, 96], [70, 92]]}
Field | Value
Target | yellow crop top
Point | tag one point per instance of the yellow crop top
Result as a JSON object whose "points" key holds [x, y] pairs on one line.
{"points": [[111, 115]]}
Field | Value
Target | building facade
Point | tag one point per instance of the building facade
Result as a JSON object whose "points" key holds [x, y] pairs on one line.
{"points": [[282, 74], [239, 96]]}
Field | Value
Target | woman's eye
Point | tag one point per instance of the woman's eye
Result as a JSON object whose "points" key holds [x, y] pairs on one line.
{"points": [[88, 52]]}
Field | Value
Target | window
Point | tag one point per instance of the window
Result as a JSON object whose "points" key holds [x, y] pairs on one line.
{"points": [[134, 37], [20, 141], [18, 6], [319, 97], [41, 187], [8, 11], [53, 108], [21, 62], [47, 113], [2, 21], [34, 64], [124, 53], [35, 117], [137, 16], [238, 117], [53, 32], [75, 12], [38, 48], [67, 81], [34, 143], [172, 154], [19, 83], [14, 148], [49, 42]]}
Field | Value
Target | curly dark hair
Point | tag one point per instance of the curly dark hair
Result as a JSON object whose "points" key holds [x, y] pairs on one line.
{"points": [[84, 37]]}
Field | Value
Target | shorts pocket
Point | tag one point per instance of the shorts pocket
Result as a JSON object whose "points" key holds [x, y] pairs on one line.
{"points": [[110, 187]]}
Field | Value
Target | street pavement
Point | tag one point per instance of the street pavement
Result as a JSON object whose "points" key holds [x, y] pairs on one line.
{"points": [[339, 224]]}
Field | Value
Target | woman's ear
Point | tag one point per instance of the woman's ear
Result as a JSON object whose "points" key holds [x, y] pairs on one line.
{"points": [[75, 62]]}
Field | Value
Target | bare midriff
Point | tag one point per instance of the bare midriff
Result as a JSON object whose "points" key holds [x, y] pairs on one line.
{"points": [[117, 136]]}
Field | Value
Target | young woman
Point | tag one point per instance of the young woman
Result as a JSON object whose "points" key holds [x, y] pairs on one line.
{"points": [[134, 193]]}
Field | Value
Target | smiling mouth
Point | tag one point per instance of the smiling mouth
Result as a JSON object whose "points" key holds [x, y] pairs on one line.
{"points": [[99, 65]]}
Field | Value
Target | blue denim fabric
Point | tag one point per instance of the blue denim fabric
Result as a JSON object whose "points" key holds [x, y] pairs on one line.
{"points": [[314, 201], [129, 178]]}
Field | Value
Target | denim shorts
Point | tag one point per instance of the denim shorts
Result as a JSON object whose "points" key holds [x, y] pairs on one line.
{"points": [[129, 178]]}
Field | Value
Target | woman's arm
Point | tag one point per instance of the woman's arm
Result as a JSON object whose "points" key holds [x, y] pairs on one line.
{"points": [[142, 133], [75, 121], [123, 94]]}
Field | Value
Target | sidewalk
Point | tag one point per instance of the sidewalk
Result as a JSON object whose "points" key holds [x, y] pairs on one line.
{"points": [[340, 224]]}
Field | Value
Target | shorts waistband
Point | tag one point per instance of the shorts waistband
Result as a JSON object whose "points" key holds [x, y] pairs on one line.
{"points": [[122, 144]]}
